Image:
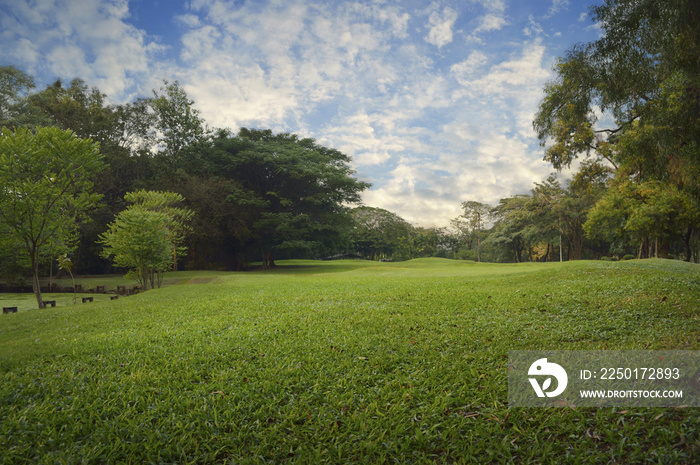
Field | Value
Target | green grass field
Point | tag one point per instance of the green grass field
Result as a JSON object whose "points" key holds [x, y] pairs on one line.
{"points": [[342, 362]]}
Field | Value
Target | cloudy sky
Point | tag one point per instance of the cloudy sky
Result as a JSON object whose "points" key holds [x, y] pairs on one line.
{"points": [[433, 100]]}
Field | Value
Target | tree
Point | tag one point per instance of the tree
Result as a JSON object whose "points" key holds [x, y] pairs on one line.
{"points": [[15, 108], [583, 191], [644, 73], [476, 215], [378, 233], [643, 70], [147, 236], [166, 202], [547, 214], [126, 134], [640, 212], [177, 122], [45, 183], [222, 229], [513, 219], [294, 192], [140, 241]]}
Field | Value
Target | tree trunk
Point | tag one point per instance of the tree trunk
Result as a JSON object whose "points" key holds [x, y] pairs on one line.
{"points": [[656, 248], [36, 286], [144, 278], [174, 258], [686, 240], [478, 243], [264, 257], [644, 248]]}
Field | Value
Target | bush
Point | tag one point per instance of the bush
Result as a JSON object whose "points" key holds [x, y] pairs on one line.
{"points": [[629, 257]]}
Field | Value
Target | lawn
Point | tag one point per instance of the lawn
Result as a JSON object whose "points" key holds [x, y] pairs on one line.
{"points": [[343, 362]]}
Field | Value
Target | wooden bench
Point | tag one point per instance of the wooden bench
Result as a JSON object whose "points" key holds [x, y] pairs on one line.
{"points": [[114, 297], [50, 302], [87, 299], [9, 310]]}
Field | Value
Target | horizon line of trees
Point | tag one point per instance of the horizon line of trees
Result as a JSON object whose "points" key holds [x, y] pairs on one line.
{"points": [[259, 196]]}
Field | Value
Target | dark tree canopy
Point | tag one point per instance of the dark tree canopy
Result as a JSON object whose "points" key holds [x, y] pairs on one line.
{"points": [[295, 192]]}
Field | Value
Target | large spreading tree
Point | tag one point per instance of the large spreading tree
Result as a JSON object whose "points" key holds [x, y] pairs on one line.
{"points": [[293, 192]]}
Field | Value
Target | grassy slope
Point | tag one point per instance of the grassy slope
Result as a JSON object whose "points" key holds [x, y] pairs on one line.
{"points": [[352, 362]]}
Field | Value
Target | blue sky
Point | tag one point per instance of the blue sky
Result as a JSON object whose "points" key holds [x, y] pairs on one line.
{"points": [[433, 100]]}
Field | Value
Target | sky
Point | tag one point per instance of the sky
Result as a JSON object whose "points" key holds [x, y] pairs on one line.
{"points": [[433, 100]]}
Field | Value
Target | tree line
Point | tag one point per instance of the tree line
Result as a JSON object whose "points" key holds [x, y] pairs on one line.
{"points": [[255, 195]]}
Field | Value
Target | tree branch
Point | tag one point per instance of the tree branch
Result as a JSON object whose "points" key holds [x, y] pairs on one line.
{"points": [[614, 131]]}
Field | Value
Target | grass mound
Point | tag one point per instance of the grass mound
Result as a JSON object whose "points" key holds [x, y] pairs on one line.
{"points": [[343, 362]]}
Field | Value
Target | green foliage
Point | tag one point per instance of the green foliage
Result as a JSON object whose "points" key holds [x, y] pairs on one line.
{"points": [[45, 183], [639, 211], [475, 215], [343, 362], [179, 218], [177, 122], [15, 110], [147, 236], [379, 233], [644, 73], [139, 240], [632, 72], [294, 193]]}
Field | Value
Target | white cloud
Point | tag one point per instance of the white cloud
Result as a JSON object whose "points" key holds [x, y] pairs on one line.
{"points": [[356, 137], [78, 38], [273, 63], [513, 76], [598, 27], [465, 70], [491, 5], [440, 27], [557, 6], [533, 28], [490, 23], [485, 166], [397, 19], [487, 23]]}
